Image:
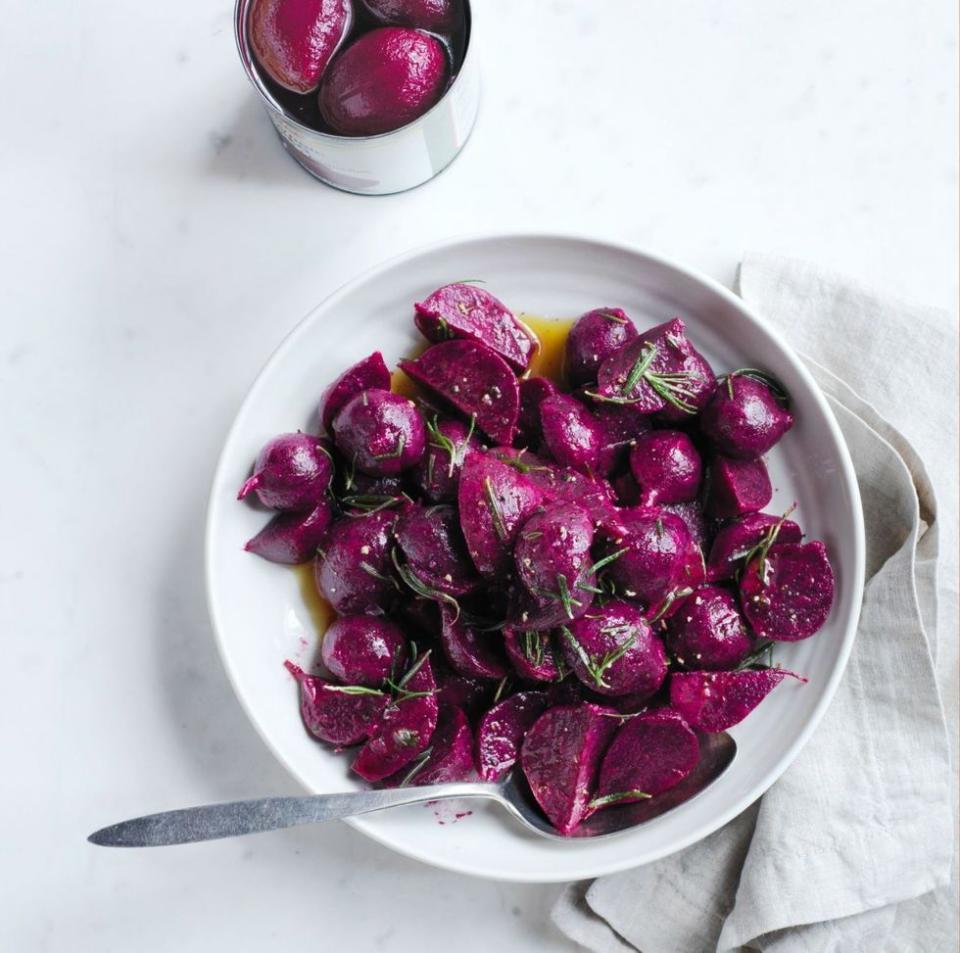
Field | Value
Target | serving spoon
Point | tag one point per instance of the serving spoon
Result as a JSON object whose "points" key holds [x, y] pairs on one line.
{"points": [[214, 821]]}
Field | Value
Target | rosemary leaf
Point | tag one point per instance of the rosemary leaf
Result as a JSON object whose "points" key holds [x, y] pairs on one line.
{"points": [[616, 798]]}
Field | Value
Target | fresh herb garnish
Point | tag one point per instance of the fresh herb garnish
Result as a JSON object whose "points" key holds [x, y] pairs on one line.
{"points": [[421, 588], [567, 600], [595, 668], [495, 512], [610, 316], [616, 798], [671, 597], [754, 659], [780, 394], [353, 690], [639, 369], [417, 767], [397, 451], [603, 563], [456, 452], [533, 647], [762, 548], [373, 571], [501, 686], [400, 688]]}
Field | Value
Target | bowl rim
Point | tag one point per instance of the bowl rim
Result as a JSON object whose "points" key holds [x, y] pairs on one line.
{"points": [[856, 570]]}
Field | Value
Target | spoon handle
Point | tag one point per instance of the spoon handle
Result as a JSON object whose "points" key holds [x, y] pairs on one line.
{"points": [[213, 821]]}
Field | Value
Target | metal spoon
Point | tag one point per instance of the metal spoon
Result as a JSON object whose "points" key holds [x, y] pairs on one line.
{"points": [[214, 821]]}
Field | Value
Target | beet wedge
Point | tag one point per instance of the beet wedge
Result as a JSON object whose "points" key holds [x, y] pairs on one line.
{"points": [[501, 731], [371, 372]]}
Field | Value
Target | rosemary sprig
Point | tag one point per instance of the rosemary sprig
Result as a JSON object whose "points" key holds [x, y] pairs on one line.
{"points": [[522, 467], [353, 690], [639, 369], [416, 767], [610, 316], [567, 600], [456, 452], [371, 570], [350, 474], [369, 502], [400, 688], [672, 596], [414, 582], [396, 453], [603, 563], [616, 798], [672, 390], [496, 513], [762, 548], [533, 648], [780, 394], [501, 686], [753, 660], [597, 669]]}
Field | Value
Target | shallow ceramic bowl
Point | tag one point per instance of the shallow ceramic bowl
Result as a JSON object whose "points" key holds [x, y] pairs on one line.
{"points": [[260, 618]]}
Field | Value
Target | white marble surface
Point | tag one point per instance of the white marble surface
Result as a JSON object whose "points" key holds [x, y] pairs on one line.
{"points": [[158, 244]]}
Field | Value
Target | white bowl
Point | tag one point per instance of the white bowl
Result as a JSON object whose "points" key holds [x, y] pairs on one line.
{"points": [[260, 619]]}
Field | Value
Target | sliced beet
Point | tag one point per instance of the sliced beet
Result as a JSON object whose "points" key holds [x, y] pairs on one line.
{"points": [[470, 652], [708, 632], [533, 392], [292, 538], [666, 466], [613, 651], [473, 695], [405, 727], [435, 550], [716, 701], [380, 432], [340, 715], [787, 592], [692, 514], [356, 490], [291, 472], [475, 381], [560, 757], [495, 500], [691, 575], [449, 757], [736, 487], [574, 437], [501, 730], [371, 372], [353, 571], [468, 312], [649, 754], [437, 475], [363, 650], [735, 541], [532, 654], [744, 419], [592, 339]]}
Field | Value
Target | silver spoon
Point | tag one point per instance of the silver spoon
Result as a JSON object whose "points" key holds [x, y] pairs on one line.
{"points": [[214, 821]]}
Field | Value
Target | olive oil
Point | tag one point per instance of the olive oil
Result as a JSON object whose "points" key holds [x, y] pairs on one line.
{"points": [[321, 612], [551, 333]]}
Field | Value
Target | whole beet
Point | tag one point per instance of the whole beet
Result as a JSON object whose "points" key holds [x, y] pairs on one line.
{"points": [[436, 16], [372, 371], [708, 632], [666, 466], [592, 339], [291, 472], [744, 419], [363, 650], [381, 432], [655, 545], [574, 437]]}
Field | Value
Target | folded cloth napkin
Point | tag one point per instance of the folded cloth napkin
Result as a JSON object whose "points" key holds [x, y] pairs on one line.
{"points": [[852, 849]]}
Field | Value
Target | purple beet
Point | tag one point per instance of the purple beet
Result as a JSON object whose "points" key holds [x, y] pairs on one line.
{"points": [[404, 729], [592, 339], [367, 374], [473, 695], [435, 16], [501, 730], [292, 538], [291, 472], [467, 311], [470, 652], [787, 592], [532, 655], [381, 433], [716, 701], [744, 419], [735, 541], [475, 381], [560, 758], [574, 437], [696, 521], [354, 571], [437, 475], [383, 80], [613, 651], [340, 715], [736, 487], [533, 392], [363, 650], [666, 466], [450, 756], [294, 40], [648, 755], [691, 575], [708, 632], [435, 551]]}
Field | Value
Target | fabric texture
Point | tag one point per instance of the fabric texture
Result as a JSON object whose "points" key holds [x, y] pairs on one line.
{"points": [[852, 849]]}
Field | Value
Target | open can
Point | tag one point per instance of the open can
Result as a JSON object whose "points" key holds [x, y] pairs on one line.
{"points": [[375, 165]]}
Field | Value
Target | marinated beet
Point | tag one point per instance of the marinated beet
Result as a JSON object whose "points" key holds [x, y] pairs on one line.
{"points": [[291, 472], [381, 433], [692, 575], [369, 374], [531, 654], [613, 651], [574, 437], [363, 650], [475, 381], [744, 419], [473, 695], [437, 475], [695, 519], [787, 591], [383, 80], [735, 542], [292, 538], [716, 701], [708, 632], [592, 339], [533, 392], [648, 755], [467, 311], [355, 489], [294, 40], [560, 757], [666, 466], [449, 757], [501, 730], [435, 16], [470, 652], [736, 487], [353, 570], [435, 551]]}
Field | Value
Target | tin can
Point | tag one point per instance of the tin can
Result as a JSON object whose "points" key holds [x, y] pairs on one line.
{"points": [[383, 164]]}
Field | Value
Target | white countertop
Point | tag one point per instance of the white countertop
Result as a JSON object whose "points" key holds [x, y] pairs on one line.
{"points": [[159, 243]]}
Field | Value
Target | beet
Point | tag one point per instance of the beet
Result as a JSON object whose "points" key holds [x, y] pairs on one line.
{"points": [[648, 755], [449, 757], [292, 538], [435, 551], [533, 392], [560, 757], [340, 715], [708, 632], [494, 500], [666, 466], [592, 339], [716, 701], [294, 40], [613, 651], [355, 489], [434, 16], [696, 521], [744, 419], [475, 381], [574, 437], [363, 650], [734, 542], [468, 312], [501, 730], [469, 652], [381, 433], [383, 80], [656, 548], [437, 475], [404, 729], [691, 575], [473, 695], [736, 487], [353, 571], [372, 372], [787, 593], [531, 654], [291, 472]]}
